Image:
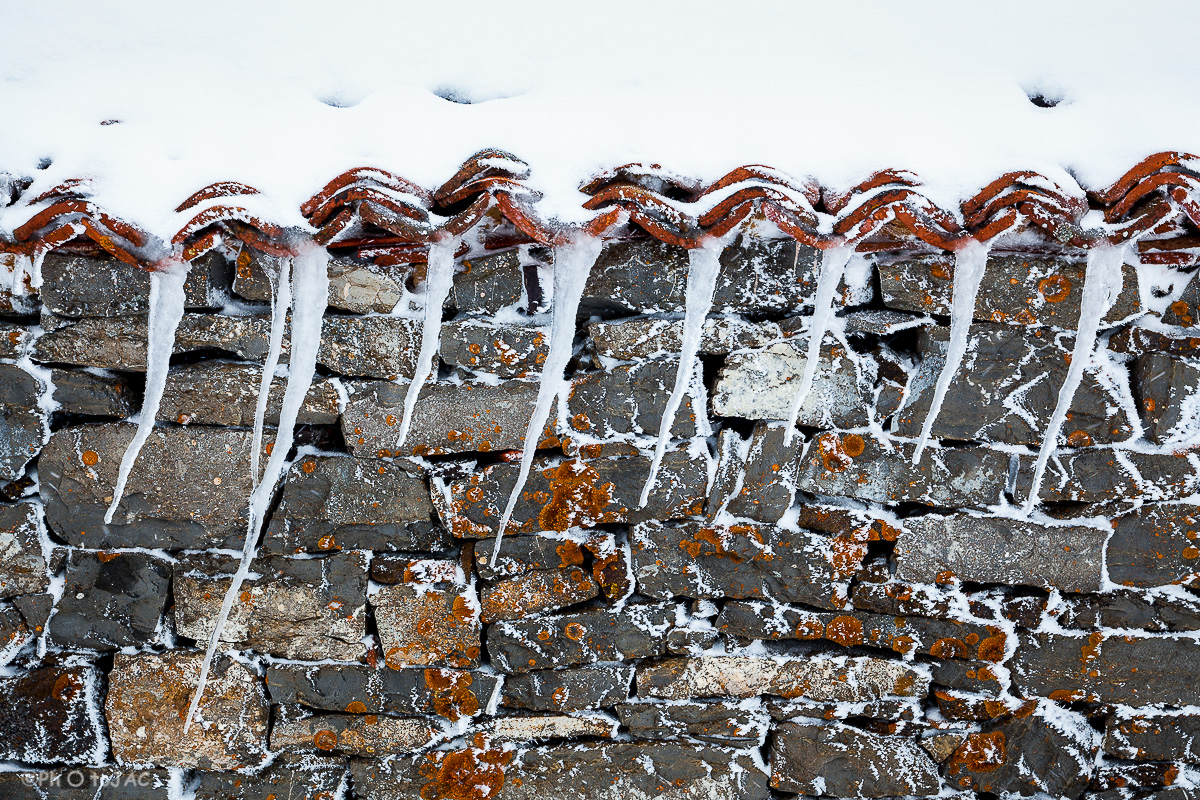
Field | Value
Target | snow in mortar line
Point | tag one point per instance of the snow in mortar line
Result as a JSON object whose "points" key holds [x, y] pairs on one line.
{"points": [[1101, 285], [572, 265], [310, 292], [167, 299], [439, 279], [833, 264], [969, 265], [281, 303], [703, 265]]}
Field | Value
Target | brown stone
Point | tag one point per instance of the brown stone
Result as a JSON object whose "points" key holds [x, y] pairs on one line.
{"points": [[533, 592], [51, 715], [427, 627], [363, 735]]}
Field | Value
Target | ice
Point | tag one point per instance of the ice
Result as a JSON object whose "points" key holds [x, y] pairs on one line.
{"points": [[572, 265], [310, 291], [969, 265], [703, 265], [439, 279], [833, 264], [280, 305], [165, 312], [1101, 285]]}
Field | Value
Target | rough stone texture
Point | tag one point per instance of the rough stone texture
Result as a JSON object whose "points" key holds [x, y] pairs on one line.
{"points": [[22, 563], [21, 419], [14, 338], [198, 501], [1165, 388], [533, 592], [852, 465], [1107, 668], [1104, 475], [427, 627], [289, 776], [1007, 388], [825, 678], [841, 761], [51, 716], [92, 395], [651, 337], [448, 418], [628, 399], [521, 554], [510, 351], [1130, 610], [573, 493], [597, 686], [86, 782], [1017, 287], [367, 736], [487, 284], [525, 729], [359, 288], [630, 770], [761, 384], [81, 286], [582, 637], [370, 347], [1154, 737], [744, 561], [221, 393], [332, 502], [392, 568], [1155, 545], [755, 479], [448, 693], [110, 600], [148, 697], [714, 723], [299, 608], [990, 550]]}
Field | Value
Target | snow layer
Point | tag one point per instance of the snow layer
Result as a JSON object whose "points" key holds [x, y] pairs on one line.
{"points": [[283, 96]]}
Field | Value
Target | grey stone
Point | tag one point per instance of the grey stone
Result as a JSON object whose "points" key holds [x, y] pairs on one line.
{"points": [[35, 608], [51, 715], [14, 337], [841, 761], [24, 300], [628, 400], [1107, 668], [755, 479], [572, 493], [188, 488], [110, 600], [447, 418], [1165, 387], [1103, 475], [1130, 610], [147, 703], [22, 563], [851, 465], [1154, 737], [510, 351], [487, 284], [14, 634], [1137, 341], [581, 637], [722, 723], [289, 776], [522, 554], [993, 550], [534, 592], [643, 337], [743, 561], [349, 734], [902, 599], [761, 384], [1006, 389], [22, 420], [370, 347], [631, 770], [92, 395], [86, 782], [392, 568], [82, 286], [968, 676], [822, 678], [1155, 545], [223, 393], [333, 502], [565, 690], [359, 288], [1016, 288], [436, 628], [307, 608], [882, 321]]}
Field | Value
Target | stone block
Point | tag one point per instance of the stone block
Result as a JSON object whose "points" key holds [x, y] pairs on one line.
{"points": [[1154, 613], [644, 337], [295, 777], [1156, 545], [360, 288], [842, 761], [91, 395], [1154, 737], [1103, 475], [14, 337], [509, 351], [1165, 387], [22, 563], [523, 554], [83, 286], [721, 723], [581, 637], [566, 690], [403, 568], [627, 400], [755, 479], [525, 729], [436, 628], [534, 592], [223, 393], [22, 420], [361, 735], [110, 600], [486, 284], [51, 715]]}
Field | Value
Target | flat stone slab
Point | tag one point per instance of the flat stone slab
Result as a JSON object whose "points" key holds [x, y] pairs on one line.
{"points": [[579, 638], [1153, 737], [534, 592], [51, 715], [224, 393], [642, 337], [22, 420], [1105, 475], [755, 479], [1165, 387], [83, 286], [629, 399], [291, 776], [1156, 545], [506, 350], [428, 627], [362, 735], [721, 723], [563, 690], [842, 761], [110, 600], [360, 689], [86, 394]]}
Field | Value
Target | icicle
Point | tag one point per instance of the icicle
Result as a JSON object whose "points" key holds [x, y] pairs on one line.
{"points": [[833, 265], [703, 265], [439, 279], [1101, 285], [572, 265], [969, 265], [281, 303], [310, 290], [164, 313]]}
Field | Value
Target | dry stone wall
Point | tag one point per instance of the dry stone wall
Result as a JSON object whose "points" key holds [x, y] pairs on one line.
{"points": [[818, 614]]}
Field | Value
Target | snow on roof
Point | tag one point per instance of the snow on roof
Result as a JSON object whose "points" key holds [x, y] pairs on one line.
{"points": [[145, 103]]}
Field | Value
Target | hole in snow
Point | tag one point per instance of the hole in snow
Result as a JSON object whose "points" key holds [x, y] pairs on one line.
{"points": [[1044, 98], [453, 95]]}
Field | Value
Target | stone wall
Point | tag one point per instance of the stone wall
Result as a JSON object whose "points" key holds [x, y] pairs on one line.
{"points": [[819, 617]]}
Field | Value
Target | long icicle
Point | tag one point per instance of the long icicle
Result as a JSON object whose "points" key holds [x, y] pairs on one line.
{"points": [[439, 279], [1101, 285], [165, 310], [310, 295], [833, 265], [572, 265], [703, 265], [969, 265], [281, 304]]}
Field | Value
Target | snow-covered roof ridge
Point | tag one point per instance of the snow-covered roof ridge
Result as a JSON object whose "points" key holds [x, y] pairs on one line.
{"points": [[376, 213]]}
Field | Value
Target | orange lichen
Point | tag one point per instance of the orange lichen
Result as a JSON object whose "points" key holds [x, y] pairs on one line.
{"points": [[981, 752], [575, 631], [452, 697], [1055, 288], [325, 740], [89, 458], [578, 498], [1079, 439], [992, 649], [846, 631], [473, 773], [356, 707]]}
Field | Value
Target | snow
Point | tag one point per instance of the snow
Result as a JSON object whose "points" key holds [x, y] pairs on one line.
{"points": [[272, 95], [165, 311], [572, 265], [703, 265], [969, 265]]}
